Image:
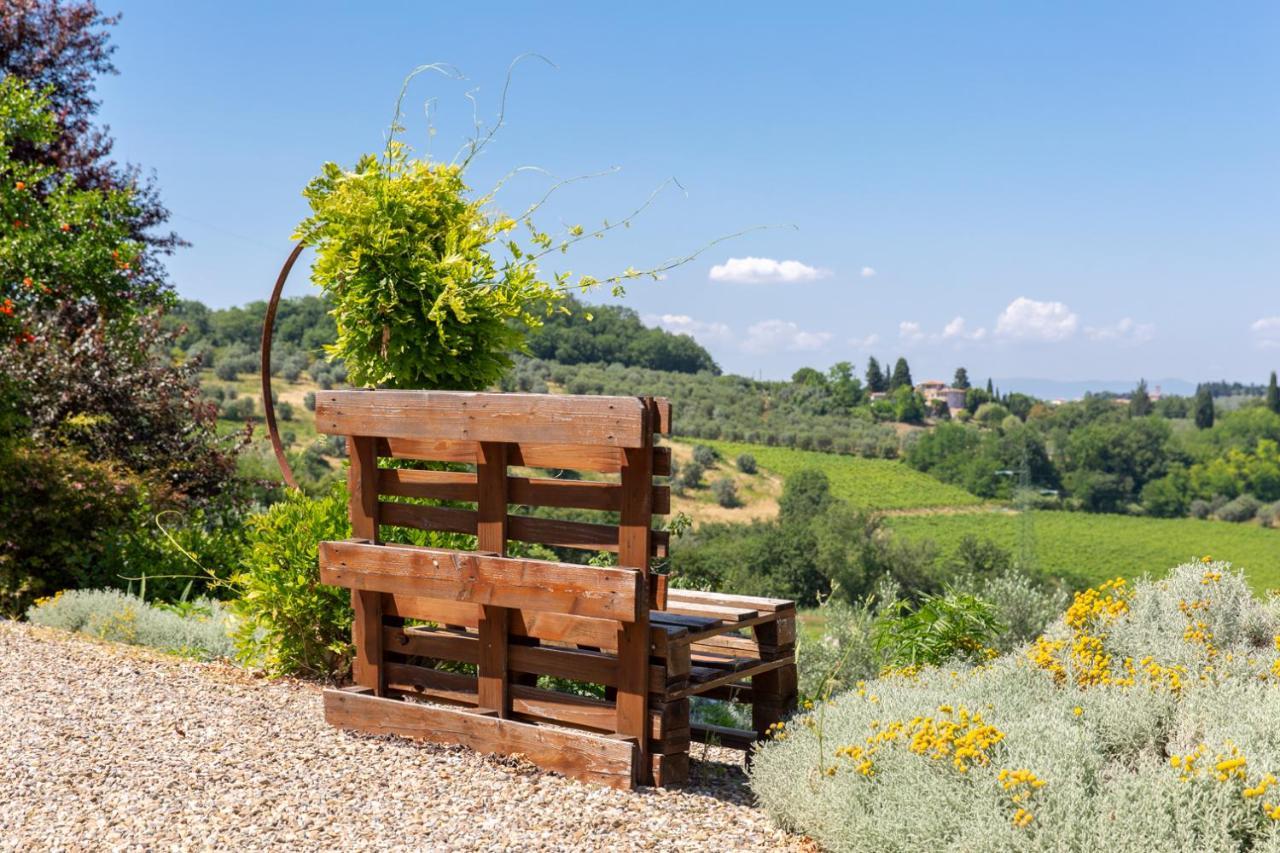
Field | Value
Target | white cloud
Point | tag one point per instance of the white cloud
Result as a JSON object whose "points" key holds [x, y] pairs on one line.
{"points": [[1028, 319], [683, 324], [864, 343], [1266, 331], [868, 272], [911, 332], [1126, 331], [955, 331], [782, 336], [765, 271], [958, 330]]}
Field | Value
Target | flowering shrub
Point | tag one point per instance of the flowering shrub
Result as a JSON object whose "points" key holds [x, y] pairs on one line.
{"points": [[1144, 718]]}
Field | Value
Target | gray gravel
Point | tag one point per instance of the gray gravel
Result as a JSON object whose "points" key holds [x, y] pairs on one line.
{"points": [[104, 746]]}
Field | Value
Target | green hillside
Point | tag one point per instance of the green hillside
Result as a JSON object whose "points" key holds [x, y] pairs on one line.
{"points": [[882, 484], [1094, 546]]}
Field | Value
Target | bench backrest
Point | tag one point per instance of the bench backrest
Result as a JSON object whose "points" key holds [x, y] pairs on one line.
{"points": [[492, 433]]}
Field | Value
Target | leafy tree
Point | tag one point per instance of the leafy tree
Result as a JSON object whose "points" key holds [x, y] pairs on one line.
{"points": [[961, 379], [726, 493], [61, 48], [1272, 398], [908, 406], [805, 495], [747, 463], [901, 375], [876, 382], [1204, 408], [1140, 401], [846, 390], [809, 376]]}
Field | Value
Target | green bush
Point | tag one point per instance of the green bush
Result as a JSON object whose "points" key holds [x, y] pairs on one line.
{"points": [[198, 628], [290, 623], [705, 456], [940, 629], [1238, 510], [944, 759], [726, 493], [63, 515], [747, 463]]}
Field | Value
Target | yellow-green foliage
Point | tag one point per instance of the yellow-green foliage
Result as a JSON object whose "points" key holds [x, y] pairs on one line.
{"points": [[864, 483], [1143, 719], [1096, 546]]}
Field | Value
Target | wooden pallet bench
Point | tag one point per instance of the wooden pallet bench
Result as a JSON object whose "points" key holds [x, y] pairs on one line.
{"points": [[479, 647]]}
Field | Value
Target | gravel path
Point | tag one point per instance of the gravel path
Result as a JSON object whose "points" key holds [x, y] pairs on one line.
{"points": [[105, 746]]}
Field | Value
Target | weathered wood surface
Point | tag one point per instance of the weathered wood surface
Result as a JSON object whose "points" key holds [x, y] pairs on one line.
{"points": [[524, 491], [605, 593], [579, 457], [582, 755], [460, 415]]}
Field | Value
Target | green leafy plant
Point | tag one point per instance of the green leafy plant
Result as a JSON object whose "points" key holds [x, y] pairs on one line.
{"points": [[940, 628], [289, 622]]}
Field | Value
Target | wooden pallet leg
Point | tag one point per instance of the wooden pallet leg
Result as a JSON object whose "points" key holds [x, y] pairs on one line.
{"points": [[773, 693], [670, 743]]}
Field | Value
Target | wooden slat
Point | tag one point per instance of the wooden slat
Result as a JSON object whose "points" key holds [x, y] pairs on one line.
{"points": [[529, 703], [362, 509], [578, 494], [661, 415], [635, 544], [554, 532], [553, 627], [723, 736], [744, 602], [573, 664], [711, 611], [540, 418], [697, 687], [436, 485], [604, 593], [421, 517], [743, 646], [491, 536], [581, 755], [599, 459]]}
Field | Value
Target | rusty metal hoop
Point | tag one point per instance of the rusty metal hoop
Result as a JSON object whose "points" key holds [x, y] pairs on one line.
{"points": [[268, 405]]}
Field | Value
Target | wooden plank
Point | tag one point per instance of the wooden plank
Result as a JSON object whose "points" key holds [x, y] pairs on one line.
{"points": [[745, 602], [468, 416], [578, 457], [695, 624], [573, 664], [491, 536], [635, 543], [362, 509], [577, 534], [710, 611], [741, 646], [436, 485], [578, 494], [447, 519], [661, 407], [604, 593], [697, 687], [723, 736], [670, 770], [581, 755], [527, 702], [554, 627]]}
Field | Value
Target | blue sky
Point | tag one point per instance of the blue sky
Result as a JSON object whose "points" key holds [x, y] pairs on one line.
{"points": [[1086, 190]]}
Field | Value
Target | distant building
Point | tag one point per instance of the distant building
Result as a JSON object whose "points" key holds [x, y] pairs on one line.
{"points": [[934, 389]]}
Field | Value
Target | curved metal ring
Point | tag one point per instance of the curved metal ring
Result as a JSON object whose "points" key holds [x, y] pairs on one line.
{"points": [[268, 405]]}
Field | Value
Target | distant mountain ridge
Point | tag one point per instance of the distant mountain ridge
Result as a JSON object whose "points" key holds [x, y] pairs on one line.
{"points": [[1075, 389]]}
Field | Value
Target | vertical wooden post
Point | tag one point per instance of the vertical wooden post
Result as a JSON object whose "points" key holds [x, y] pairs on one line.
{"points": [[773, 693], [491, 535], [366, 627], [633, 638]]}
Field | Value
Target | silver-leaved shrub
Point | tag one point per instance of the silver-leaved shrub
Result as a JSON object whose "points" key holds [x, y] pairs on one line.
{"points": [[1144, 718], [200, 629]]}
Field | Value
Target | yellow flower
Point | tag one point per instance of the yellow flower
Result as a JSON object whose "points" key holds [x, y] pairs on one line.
{"points": [[1077, 710]]}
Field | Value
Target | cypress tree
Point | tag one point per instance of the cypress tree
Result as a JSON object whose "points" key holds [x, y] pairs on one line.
{"points": [[991, 392], [875, 376], [901, 375], [1204, 408], [1273, 394], [962, 379]]}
